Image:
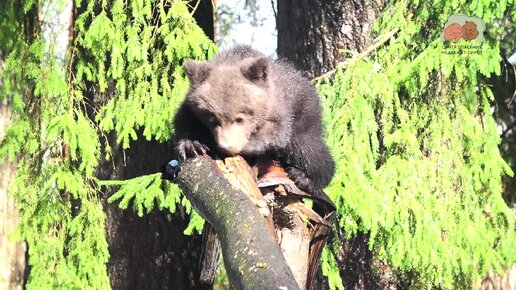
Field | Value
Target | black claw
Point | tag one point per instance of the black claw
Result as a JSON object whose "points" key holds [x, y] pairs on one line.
{"points": [[190, 149], [204, 149]]}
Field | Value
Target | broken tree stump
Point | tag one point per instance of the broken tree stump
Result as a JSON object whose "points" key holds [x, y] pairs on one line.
{"points": [[251, 255], [270, 239]]}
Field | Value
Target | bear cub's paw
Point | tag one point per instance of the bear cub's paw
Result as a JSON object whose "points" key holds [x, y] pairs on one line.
{"points": [[300, 179], [190, 149]]}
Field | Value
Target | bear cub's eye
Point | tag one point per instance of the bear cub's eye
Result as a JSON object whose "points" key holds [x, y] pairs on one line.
{"points": [[239, 120]]}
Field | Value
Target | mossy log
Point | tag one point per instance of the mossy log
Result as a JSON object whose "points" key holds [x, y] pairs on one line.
{"points": [[252, 256]]}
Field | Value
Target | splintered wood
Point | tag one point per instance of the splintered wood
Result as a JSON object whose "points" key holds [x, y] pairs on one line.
{"points": [[240, 176], [300, 231]]}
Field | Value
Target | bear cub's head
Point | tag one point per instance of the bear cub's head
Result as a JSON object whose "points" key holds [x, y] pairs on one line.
{"points": [[233, 100]]}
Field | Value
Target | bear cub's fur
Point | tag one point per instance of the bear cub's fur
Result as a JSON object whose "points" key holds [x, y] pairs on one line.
{"points": [[242, 102]]}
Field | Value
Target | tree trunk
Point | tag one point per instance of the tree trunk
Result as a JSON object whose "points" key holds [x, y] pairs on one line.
{"points": [[312, 34], [149, 252], [252, 256], [12, 255], [204, 16]]}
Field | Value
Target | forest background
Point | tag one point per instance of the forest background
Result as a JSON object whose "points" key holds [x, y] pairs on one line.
{"points": [[422, 131]]}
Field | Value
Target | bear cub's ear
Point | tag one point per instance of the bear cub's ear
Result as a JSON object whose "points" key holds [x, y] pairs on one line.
{"points": [[256, 69], [197, 71]]}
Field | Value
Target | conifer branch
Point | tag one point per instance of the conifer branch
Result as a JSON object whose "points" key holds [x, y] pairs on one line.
{"points": [[194, 8], [363, 54]]}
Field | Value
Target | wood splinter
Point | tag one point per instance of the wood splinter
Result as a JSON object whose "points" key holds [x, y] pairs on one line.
{"points": [[297, 231]]}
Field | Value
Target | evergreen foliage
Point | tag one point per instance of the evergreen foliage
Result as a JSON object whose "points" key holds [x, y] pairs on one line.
{"points": [[130, 53], [419, 167]]}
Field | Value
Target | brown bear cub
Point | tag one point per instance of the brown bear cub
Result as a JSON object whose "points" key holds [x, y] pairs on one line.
{"points": [[242, 102]]}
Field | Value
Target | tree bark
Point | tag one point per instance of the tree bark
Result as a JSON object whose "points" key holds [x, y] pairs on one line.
{"points": [[312, 34], [252, 256], [12, 255], [203, 15], [13, 264], [149, 252]]}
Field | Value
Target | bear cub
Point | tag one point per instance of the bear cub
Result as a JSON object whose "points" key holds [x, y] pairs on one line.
{"points": [[242, 102]]}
